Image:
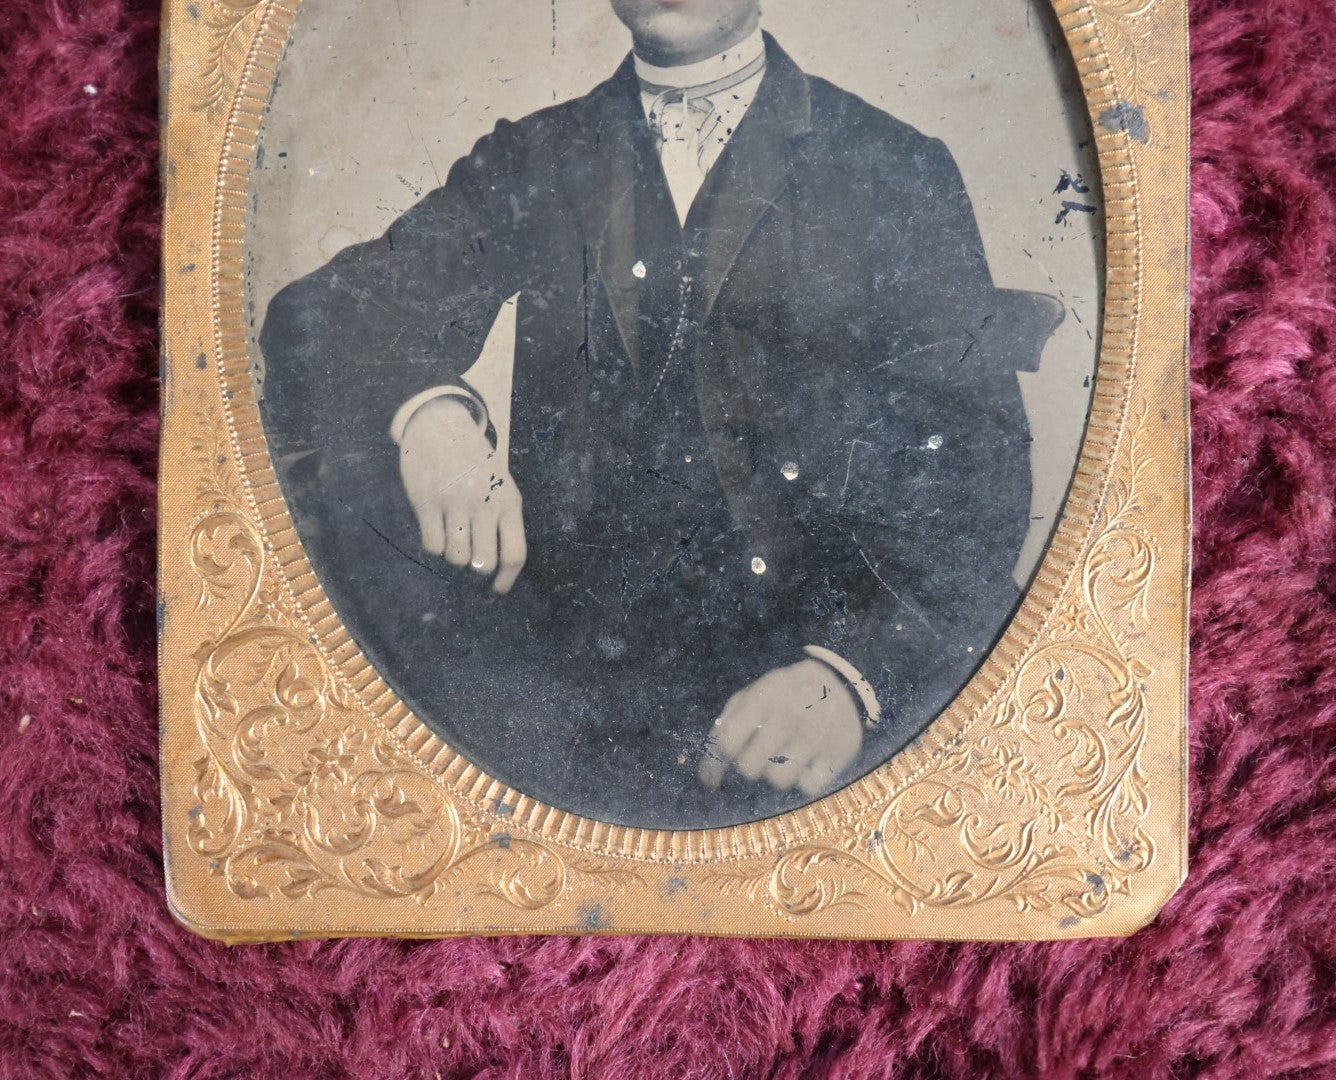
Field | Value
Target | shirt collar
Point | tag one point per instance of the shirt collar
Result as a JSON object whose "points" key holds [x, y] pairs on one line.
{"points": [[729, 62]]}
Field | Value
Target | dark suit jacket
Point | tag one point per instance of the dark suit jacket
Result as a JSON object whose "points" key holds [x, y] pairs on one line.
{"points": [[828, 306]]}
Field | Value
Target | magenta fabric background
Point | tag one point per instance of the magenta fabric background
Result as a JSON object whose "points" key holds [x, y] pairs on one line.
{"points": [[1234, 980]]}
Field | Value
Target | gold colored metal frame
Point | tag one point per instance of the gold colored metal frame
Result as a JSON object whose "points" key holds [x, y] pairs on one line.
{"points": [[300, 797]]}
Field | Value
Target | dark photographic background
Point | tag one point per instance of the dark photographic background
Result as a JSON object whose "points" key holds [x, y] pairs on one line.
{"points": [[1235, 978]]}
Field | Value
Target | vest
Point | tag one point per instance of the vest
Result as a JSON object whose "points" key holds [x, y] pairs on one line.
{"points": [[678, 561]]}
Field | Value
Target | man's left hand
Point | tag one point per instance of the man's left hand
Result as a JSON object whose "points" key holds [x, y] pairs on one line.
{"points": [[796, 726]]}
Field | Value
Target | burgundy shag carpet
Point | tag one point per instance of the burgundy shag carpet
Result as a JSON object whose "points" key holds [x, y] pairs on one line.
{"points": [[1236, 978]]}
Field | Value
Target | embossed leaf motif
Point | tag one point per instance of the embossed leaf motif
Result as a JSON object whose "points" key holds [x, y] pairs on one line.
{"points": [[945, 811], [379, 878], [1090, 901], [1009, 714], [384, 751], [407, 810], [214, 694], [998, 848], [294, 690], [1127, 704], [232, 25], [337, 828], [278, 856], [1139, 851], [535, 881], [1120, 21], [951, 890], [395, 805], [224, 553], [811, 880], [252, 736], [220, 811], [1050, 702], [1088, 761]]}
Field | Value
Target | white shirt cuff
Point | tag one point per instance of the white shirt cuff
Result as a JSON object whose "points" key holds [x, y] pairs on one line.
{"points": [[407, 410], [851, 675]]}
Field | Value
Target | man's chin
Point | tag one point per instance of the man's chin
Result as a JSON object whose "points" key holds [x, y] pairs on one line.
{"points": [[671, 34]]}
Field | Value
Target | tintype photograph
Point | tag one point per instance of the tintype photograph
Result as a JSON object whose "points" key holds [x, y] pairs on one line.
{"points": [[675, 397]]}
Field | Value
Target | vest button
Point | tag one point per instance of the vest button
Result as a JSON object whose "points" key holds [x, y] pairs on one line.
{"points": [[758, 566], [640, 270]]}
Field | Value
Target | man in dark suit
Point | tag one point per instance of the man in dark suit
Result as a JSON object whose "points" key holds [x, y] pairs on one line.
{"points": [[768, 471]]}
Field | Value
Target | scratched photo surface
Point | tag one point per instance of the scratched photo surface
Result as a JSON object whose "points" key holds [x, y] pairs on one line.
{"points": [[675, 397]]}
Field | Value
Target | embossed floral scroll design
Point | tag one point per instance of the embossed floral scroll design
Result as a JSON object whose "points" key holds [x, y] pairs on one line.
{"points": [[295, 792], [1040, 803]]}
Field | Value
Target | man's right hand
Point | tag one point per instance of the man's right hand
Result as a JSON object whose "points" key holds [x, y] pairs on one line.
{"points": [[466, 502]]}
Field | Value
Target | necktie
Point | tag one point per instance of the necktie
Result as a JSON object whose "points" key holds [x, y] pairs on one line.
{"points": [[687, 122]]}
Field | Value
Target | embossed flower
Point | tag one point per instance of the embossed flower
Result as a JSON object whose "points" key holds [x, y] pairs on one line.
{"points": [[476, 827], [331, 762], [269, 605], [1010, 773], [1073, 620]]}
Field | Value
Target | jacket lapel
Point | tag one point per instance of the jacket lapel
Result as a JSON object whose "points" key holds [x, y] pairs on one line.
{"points": [[750, 174], [605, 159], [614, 151]]}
